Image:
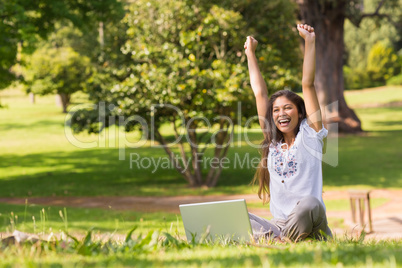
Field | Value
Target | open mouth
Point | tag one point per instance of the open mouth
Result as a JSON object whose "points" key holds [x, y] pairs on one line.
{"points": [[284, 122]]}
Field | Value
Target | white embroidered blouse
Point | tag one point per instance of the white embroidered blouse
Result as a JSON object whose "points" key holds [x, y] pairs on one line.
{"points": [[297, 171]]}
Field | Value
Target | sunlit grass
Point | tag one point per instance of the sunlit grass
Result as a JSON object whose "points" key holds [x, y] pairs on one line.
{"points": [[158, 248], [380, 119], [374, 96], [158, 240], [43, 220]]}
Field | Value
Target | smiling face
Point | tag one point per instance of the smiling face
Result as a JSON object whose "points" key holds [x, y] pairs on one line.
{"points": [[285, 115]]}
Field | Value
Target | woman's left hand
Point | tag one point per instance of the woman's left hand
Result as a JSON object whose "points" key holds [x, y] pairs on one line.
{"points": [[306, 31]]}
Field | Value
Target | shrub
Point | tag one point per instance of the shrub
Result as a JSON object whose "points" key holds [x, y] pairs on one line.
{"points": [[382, 63], [356, 78], [395, 80]]}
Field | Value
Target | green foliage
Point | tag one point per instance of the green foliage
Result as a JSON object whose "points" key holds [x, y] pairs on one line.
{"points": [[189, 57], [273, 24], [187, 54], [57, 70], [8, 41], [355, 9], [356, 78], [359, 43], [106, 60], [395, 80], [382, 63], [26, 22]]}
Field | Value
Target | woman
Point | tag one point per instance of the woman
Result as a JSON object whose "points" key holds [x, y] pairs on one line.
{"points": [[290, 172]]}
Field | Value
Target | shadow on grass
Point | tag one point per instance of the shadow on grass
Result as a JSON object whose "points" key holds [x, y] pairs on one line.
{"points": [[388, 123], [36, 124], [372, 160], [81, 173], [94, 172]]}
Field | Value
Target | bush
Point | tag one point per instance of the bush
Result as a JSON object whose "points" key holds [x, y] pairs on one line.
{"points": [[395, 80], [382, 63], [382, 66], [356, 78]]}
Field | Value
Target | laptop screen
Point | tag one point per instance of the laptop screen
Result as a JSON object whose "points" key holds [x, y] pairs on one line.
{"points": [[217, 220]]}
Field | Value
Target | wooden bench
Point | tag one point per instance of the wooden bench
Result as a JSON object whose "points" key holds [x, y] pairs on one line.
{"points": [[361, 198]]}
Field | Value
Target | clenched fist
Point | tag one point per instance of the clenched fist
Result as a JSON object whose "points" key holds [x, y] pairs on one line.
{"points": [[250, 45]]}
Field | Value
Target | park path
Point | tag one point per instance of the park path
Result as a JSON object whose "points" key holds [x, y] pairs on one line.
{"points": [[387, 219]]}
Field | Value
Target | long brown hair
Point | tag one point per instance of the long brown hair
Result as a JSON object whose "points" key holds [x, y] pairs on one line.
{"points": [[273, 135]]}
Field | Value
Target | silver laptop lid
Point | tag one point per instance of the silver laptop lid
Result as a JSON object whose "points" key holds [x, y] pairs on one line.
{"points": [[221, 219]]}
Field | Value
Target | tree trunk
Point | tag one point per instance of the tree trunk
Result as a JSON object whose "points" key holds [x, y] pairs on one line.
{"points": [[58, 100], [196, 161], [327, 18], [63, 100], [184, 171], [185, 160], [220, 152], [32, 97]]}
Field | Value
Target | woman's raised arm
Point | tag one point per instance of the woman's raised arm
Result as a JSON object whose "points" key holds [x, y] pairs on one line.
{"points": [[257, 82], [313, 111]]}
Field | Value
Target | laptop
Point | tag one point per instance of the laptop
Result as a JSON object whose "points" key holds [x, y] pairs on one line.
{"points": [[217, 220]]}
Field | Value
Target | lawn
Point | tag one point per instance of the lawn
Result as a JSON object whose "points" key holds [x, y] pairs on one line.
{"points": [[36, 159], [148, 252], [374, 96], [158, 242]]}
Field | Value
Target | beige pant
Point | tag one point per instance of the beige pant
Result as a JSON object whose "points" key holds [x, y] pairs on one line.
{"points": [[307, 219]]}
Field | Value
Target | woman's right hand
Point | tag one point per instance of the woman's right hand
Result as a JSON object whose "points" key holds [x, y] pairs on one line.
{"points": [[250, 45]]}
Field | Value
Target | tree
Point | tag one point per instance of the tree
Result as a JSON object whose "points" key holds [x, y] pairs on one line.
{"points": [[328, 17], [359, 41], [57, 71], [26, 22], [187, 62]]}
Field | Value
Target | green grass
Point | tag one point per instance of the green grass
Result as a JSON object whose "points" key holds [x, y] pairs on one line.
{"points": [[159, 242], [339, 254], [161, 249], [29, 218], [46, 219], [374, 96], [372, 159], [151, 246]]}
